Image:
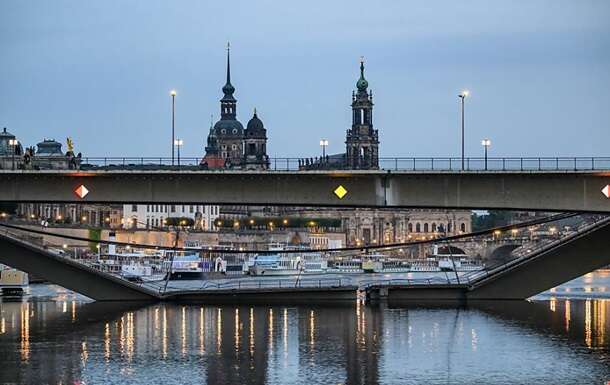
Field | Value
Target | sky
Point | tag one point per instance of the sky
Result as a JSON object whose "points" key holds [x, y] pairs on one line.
{"points": [[538, 72]]}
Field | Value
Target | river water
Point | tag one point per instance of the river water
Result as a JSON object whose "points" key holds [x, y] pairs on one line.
{"points": [[57, 337]]}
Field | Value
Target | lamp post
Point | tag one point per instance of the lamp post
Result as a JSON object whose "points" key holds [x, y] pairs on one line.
{"points": [[486, 143], [13, 143], [173, 95], [323, 144], [178, 143], [463, 96]]}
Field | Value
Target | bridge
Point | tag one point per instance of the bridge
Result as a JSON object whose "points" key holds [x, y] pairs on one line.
{"points": [[567, 190], [525, 274]]}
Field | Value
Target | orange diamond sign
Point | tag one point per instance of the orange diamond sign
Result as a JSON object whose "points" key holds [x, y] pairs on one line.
{"points": [[606, 191], [81, 191]]}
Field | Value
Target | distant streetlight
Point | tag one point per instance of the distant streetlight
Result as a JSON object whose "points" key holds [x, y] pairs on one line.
{"points": [[463, 96], [486, 143], [173, 95], [323, 144], [13, 143], [178, 143]]}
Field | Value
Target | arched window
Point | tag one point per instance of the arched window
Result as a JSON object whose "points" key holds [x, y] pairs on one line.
{"points": [[417, 228], [449, 227], [433, 227], [425, 227], [463, 227], [410, 227]]}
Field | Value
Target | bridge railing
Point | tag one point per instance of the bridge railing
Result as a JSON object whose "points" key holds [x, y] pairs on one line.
{"points": [[385, 163]]}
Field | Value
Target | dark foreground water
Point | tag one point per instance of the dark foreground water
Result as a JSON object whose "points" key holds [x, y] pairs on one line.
{"points": [[57, 337]]}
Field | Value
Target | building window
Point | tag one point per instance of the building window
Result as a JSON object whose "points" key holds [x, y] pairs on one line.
{"points": [[425, 227], [223, 131], [235, 131], [234, 147], [147, 208], [410, 226], [134, 208], [173, 208], [433, 227], [191, 209], [463, 227], [417, 228]]}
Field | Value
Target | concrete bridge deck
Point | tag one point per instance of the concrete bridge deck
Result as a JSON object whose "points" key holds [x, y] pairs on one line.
{"points": [[520, 278], [576, 191], [517, 279]]}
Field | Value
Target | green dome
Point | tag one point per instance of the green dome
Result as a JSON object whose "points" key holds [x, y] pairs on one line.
{"points": [[362, 84]]}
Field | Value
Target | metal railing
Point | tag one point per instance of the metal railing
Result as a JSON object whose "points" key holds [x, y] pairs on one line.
{"points": [[389, 163]]}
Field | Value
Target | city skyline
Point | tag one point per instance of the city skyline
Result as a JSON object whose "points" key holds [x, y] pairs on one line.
{"points": [[536, 88]]}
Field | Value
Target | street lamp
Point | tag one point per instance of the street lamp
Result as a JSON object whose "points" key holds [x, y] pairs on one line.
{"points": [[178, 143], [323, 144], [173, 95], [486, 143], [13, 143], [463, 96]]}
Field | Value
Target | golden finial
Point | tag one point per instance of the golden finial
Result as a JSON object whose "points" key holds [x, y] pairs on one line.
{"points": [[70, 144]]}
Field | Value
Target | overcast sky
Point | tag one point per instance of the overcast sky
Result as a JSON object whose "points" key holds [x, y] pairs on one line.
{"points": [[101, 72]]}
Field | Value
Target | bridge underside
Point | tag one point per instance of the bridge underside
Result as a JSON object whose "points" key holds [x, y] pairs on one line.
{"points": [[548, 191], [587, 252], [518, 279], [69, 274]]}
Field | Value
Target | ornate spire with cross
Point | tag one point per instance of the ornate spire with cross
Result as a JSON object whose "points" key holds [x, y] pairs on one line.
{"points": [[228, 88]]}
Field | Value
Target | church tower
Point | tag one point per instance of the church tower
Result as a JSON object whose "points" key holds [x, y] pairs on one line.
{"points": [[255, 145], [362, 143], [228, 130]]}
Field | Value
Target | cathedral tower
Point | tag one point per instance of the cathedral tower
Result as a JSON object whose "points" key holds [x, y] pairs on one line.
{"points": [[362, 143], [255, 145], [228, 130]]}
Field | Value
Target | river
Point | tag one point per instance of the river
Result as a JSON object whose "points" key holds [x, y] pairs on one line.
{"points": [[54, 336]]}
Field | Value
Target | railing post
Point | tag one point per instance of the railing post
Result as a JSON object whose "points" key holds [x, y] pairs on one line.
{"points": [[557, 164], [275, 164], [539, 165], [575, 167], [592, 163], [396, 164], [432, 161], [287, 164], [503, 164], [521, 159]]}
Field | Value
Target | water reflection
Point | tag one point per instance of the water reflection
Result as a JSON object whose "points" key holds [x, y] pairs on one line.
{"points": [[94, 343]]}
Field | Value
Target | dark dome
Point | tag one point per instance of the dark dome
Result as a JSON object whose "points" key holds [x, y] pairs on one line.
{"points": [[6, 134], [49, 147], [228, 89], [228, 125], [255, 124]]}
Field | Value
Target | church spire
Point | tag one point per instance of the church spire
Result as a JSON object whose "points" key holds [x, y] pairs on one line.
{"points": [[228, 88], [362, 84]]}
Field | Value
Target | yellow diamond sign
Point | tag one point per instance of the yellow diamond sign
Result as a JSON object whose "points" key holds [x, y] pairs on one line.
{"points": [[340, 192]]}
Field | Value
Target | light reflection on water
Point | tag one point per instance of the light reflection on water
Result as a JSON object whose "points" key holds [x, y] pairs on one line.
{"points": [[64, 340]]}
